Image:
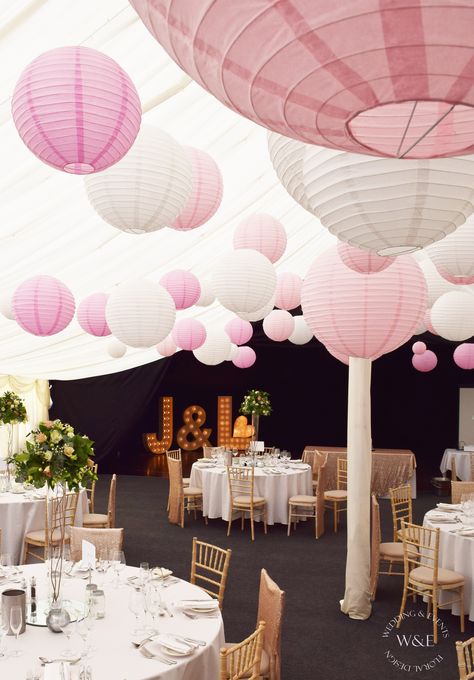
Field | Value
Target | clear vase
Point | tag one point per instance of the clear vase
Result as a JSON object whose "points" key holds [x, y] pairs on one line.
{"points": [[57, 616], [255, 425]]}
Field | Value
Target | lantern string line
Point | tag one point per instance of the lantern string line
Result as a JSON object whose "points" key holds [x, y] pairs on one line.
{"points": [[432, 127], [406, 129]]}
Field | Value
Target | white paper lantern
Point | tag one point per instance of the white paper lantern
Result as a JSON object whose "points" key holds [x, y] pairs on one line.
{"points": [[261, 232], [435, 283], [147, 189], [453, 257], [244, 281], [234, 351], [278, 325], [140, 313], [207, 296], [288, 290], [6, 305], [452, 315], [215, 350], [287, 157], [260, 313], [116, 349], [301, 333]]}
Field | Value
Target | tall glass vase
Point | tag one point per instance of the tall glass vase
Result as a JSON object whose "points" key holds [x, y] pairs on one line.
{"points": [[255, 425], [56, 519]]}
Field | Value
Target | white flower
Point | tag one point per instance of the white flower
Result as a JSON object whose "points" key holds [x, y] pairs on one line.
{"points": [[55, 436]]}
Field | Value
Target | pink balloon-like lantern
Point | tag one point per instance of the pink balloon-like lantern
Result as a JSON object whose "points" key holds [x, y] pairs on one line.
{"points": [[43, 305], [424, 362], [418, 347], [362, 261], [288, 290], [261, 232], [343, 358], [363, 315], [183, 287], [166, 347], [76, 109], [245, 358], [206, 193], [463, 355], [239, 330], [91, 315], [189, 334], [278, 325]]}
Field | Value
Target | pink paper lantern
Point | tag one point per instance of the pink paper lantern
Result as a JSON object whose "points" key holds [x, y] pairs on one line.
{"points": [[288, 290], [343, 358], [362, 261], [389, 78], [76, 109], [427, 322], [91, 315], [261, 232], [183, 287], [245, 358], [418, 347], [363, 315], [424, 362], [239, 330], [166, 347], [43, 305], [189, 334], [463, 355], [206, 193], [278, 325]]}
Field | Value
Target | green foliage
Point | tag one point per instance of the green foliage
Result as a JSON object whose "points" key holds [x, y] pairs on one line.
{"points": [[256, 401], [12, 409]]}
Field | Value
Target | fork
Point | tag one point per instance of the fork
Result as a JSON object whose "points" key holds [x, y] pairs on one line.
{"points": [[149, 655]]}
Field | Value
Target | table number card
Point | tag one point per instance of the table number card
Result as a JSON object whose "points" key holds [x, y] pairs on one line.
{"points": [[88, 555]]}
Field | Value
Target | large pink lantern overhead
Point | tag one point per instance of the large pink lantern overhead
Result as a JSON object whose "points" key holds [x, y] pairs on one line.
{"points": [[76, 109], [387, 78], [189, 334], [206, 193], [91, 315], [239, 330], [183, 287], [261, 232], [43, 305], [363, 315], [362, 261]]}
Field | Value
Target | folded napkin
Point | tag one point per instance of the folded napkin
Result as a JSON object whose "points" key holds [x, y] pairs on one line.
{"points": [[442, 517], [161, 572], [52, 671], [205, 605], [172, 643], [448, 507], [467, 531]]}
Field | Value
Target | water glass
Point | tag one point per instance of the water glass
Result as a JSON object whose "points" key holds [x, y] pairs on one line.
{"points": [[16, 622], [153, 603], [144, 575], [136, 604], [118, 564]]}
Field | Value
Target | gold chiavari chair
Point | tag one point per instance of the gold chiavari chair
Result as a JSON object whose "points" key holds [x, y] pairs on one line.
{"points": [[176, 455], [391, 553], [209, 568], [423, 575], [465, 654], [402, 509], [337, 498], [104, 540], [181, 498], [309, 506], [316, 459], [271, 604], [458, 489], [243, 499], [243, 659], [58, 519], [96, 520], [91, 490]]}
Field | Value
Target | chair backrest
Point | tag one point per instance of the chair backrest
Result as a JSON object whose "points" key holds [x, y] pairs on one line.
{"points": [[316, 459], [269, 449], [243, 659], [207, 451], [175, 499], [342, 474], [376, 538], [91, 489], [458, 489], [60, 513], [420, 549], [112, 499], [209, 568], [175, 454], [400, 501], [271, 604], [105, 541], [465, 654], [241, 481]]}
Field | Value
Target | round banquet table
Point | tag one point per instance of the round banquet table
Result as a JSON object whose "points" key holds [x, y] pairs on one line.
{"points": [[456, 552], [275, 488], [19, 514], [114, 657]]}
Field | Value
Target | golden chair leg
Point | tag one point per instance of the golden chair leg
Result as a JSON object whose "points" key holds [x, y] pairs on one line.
{"points": [[289, 519], [403, 605], [265, 519], [435, 616], [230, 523], [461, 604], [242, 521], [251, 523], [335, 518]]}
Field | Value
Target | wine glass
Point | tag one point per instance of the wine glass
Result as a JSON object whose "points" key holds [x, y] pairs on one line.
{"points": [[6, 563], [118, 564], [83, 631], [68, 562], [16, 622], [153, 604], [144, 574], [68, 627], [4, 626], [136, 604]]}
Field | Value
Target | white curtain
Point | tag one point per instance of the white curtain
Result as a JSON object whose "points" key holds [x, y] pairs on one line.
{"points": [[36, 396]]}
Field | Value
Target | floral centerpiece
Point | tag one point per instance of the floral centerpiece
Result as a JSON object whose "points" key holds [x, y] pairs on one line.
{"points": [[12, 411], [256, 403]]}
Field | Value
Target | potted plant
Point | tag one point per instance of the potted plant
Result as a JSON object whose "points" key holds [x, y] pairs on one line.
{"points": [[256, 403]]}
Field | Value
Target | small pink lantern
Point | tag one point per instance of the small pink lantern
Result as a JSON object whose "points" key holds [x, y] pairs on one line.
{"points": [[418, 347], [206, 193], [91, 315], [463, 355], [239, 330], [166, 347], [424, 362], [362, 261], [183, 287], [76, 109], [278, 325], [288, 290], [261, 232], [189, 334], [245, 358], [43, 305]]}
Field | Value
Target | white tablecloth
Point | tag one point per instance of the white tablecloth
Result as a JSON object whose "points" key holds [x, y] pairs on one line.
{"points": [[462, 461], [456, 553], [19, 515], [275, 488], [115, 658]]}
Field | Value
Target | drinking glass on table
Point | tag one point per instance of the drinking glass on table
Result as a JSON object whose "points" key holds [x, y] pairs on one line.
{"points": [[136, 604], [153, 603], [6, 563], [68, 628], [16, 622], [118, 564], [144, 574], [4, 626]]}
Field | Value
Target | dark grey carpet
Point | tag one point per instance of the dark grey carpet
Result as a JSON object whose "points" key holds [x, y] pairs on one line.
{"points": [[318, 640]]}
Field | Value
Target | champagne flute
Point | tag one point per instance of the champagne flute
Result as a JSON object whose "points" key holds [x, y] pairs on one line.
{"points": [[144, 573], [68, 627], [16, 622], [136, 604], [118, 563], [153, 604]]}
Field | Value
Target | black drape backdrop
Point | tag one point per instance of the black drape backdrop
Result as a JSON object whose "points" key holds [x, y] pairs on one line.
{"points": [[309, 393]]}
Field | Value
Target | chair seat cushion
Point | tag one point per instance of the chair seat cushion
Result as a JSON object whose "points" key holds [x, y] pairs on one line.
{"points": [[392, 551], [264, 663], [445, 576], [40, 536], [336, 494], [246, 500], [307, 500], [91, 519], [192, 491]]}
